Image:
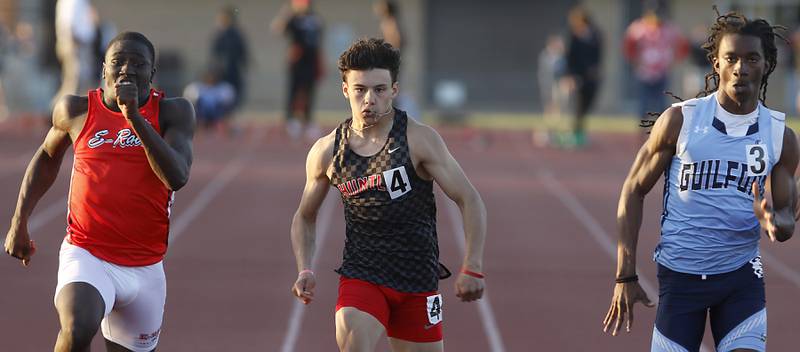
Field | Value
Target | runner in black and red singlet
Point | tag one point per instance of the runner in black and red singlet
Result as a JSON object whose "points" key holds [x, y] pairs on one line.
{"points": [[384, 164]]}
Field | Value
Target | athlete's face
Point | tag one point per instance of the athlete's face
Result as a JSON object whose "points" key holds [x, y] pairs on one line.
{"points": [[741, 65], [370, 93], [131, 61]]}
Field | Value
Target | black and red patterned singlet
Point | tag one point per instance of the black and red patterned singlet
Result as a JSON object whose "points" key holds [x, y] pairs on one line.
{"points": [[390, 214]]}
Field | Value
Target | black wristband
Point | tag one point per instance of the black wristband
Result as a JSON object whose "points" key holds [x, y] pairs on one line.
{"points": [[622, 280]]}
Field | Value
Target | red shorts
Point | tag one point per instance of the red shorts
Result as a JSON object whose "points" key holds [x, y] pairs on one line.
{"points": [[415, 317]]}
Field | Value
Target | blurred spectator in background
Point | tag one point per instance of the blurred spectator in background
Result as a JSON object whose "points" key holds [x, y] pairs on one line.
{"points": [[793, 64], [392, 32], [33, 86], [584, 59], [553, 87], [694, 81], [5, 44], [213, 98], [652, 46], [75, 34], [304, 29], [104, 31], [229, 52]]}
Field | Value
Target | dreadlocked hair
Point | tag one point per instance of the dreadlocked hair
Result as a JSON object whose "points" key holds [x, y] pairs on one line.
{"points": [[735, 23], [651, 118]]}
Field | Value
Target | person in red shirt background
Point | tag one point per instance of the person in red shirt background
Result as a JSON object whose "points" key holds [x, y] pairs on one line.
{"points": [[653, 45], [133, 150]]}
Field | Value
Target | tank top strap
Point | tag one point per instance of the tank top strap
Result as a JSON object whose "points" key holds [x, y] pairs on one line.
{"points": [[339, 147]]}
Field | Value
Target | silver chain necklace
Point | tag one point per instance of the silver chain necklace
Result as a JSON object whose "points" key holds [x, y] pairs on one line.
{"points": [[380, 117]]}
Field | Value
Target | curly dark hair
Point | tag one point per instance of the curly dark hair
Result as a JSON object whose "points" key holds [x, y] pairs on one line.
{"points": [[736, 23], [370, 53]]}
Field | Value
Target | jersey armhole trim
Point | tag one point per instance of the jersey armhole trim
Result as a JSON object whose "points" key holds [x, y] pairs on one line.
{"points": [[87, 120], [687, 110], [778, 130]]}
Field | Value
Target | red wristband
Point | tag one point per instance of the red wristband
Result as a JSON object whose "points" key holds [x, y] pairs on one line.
{"points": [[473, 274]]}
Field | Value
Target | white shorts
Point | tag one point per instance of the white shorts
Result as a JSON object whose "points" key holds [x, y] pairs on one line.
{"points": [[134, 296]]}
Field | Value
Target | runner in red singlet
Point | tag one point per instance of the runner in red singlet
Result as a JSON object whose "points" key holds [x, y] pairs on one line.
{"points": [[133, 150]]}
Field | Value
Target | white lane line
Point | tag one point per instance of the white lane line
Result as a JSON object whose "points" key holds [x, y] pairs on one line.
{"points": [[772, 263], [598, 234], [298, 309], [588, 221], [210, 191], [603, 238], [41, 218], [484, 304], [17, 164], [46, 215]]}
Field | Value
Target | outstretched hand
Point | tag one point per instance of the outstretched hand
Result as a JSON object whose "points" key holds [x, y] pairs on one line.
{"points": [[303, 287], [764, 213], [621, 310]]}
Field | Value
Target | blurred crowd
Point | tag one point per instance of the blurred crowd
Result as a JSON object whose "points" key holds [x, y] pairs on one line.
{"points": [[218, 91], [569, 70]]}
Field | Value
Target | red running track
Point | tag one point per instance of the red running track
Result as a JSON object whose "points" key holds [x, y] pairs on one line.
{"points": [[548, 261]]}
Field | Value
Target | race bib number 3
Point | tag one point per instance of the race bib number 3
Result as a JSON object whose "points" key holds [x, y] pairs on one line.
{"points": [[756, 159], [397, 183], [435, 309]]}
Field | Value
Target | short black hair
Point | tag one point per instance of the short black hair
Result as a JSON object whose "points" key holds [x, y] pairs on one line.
{"points": [[137, 37], [370, 53], [736, 23]]}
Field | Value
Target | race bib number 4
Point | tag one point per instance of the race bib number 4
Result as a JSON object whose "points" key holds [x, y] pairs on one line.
{"points": [[756, 159], [435, 309], [397, 183]]}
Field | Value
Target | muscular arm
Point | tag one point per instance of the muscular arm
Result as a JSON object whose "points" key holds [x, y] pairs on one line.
{"points": [[170, 157], [42, 172], [303, 231], [650, 163], [436, 161], [782, 186]]}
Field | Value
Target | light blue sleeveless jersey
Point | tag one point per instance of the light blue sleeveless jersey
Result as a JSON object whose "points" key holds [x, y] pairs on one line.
{"points": [[708, 225]]}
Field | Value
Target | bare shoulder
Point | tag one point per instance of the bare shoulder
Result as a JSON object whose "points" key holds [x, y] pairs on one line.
{"points": [[176, 104], [668, 127], [176, 111], [790, 145], [423, 138], [321, 153], [68, 110]]}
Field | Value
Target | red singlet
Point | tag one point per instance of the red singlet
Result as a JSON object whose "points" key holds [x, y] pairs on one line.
{"points": [[118, 208]]}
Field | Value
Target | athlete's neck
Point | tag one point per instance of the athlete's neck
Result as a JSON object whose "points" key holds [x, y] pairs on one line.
{"points": [[376, 129], [737, 108], [110, 99]]}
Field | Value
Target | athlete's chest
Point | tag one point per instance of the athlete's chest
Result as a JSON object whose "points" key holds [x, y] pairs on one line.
{"points": [[111, 134], [388, 174], [714, 163]]}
